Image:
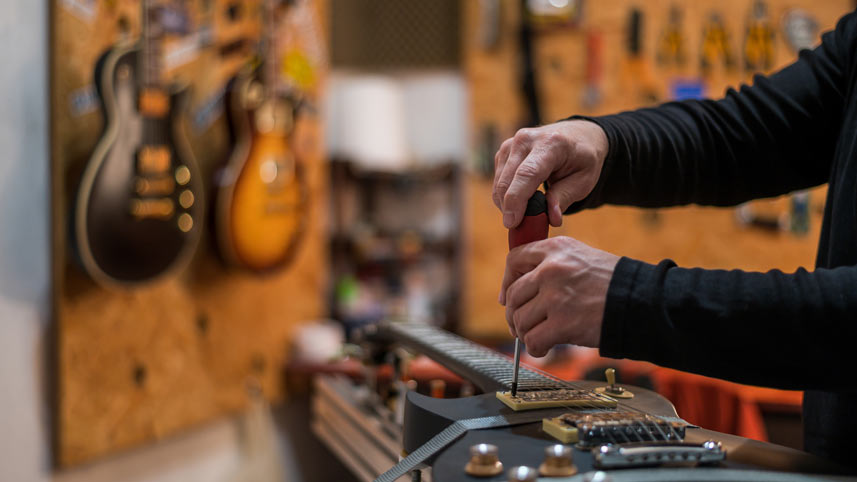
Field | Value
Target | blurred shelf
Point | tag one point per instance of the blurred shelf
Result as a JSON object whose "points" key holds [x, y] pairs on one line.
{"points": [[422, 174]]}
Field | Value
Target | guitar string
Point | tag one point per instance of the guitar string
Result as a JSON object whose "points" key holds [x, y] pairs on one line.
{"points": [[618, 403]]}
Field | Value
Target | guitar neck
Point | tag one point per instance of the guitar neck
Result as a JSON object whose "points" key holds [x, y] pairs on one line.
{"points": [[485, 368], [151, 57], [269, 65]]}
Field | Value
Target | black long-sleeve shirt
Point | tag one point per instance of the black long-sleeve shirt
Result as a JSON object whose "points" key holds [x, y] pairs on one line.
{"points": [[794, 129]]}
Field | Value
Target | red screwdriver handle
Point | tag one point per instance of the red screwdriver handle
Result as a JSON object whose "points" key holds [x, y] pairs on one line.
{"points": [[535, 225]]}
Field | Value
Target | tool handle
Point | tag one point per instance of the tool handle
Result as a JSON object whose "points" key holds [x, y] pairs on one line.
{"points": [[534, 226]]}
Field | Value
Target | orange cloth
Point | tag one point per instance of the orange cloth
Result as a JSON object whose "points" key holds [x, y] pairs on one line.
{"points": [[712, 406], [710, 403]]}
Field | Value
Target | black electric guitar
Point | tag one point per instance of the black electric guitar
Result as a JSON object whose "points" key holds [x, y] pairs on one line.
{"points": [[589, 414], [139, 206]]}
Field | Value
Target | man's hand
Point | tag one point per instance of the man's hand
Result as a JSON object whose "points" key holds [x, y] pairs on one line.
{"points": [[568, 154], [555, 291]]}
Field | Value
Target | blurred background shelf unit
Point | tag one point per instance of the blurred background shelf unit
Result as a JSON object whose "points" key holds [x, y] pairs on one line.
{"points": [[396, 243], [397, 113]]}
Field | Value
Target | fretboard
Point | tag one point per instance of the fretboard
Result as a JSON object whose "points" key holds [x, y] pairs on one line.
{"points": [[153, 32], [485, 368]]}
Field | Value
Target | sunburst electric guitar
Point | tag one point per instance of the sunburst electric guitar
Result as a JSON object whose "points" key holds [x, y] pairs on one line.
{"points": [[138, 210], [261, 199]]}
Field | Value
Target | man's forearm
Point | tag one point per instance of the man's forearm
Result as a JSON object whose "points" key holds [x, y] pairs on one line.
{"points": [[785, 330]]}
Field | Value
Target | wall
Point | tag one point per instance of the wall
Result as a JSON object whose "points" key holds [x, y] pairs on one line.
{"points": [[692, 236], [25, 455]]}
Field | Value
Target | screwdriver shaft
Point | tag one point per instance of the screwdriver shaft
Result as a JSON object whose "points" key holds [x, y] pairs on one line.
{"points": [[517, 366]]}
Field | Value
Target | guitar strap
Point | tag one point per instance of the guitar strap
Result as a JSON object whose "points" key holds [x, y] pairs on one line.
{"points": [[451, 434]]}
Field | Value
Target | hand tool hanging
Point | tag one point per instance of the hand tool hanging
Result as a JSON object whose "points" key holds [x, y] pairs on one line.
{"points": [[529, 86]]}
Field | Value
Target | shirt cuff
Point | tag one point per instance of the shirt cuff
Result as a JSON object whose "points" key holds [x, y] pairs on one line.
{"points": [[594, 199]]}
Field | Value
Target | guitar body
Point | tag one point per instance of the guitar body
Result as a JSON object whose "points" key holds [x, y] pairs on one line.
{"points": [[524, 444], [138, 210], [261, 200], [521, 436]]}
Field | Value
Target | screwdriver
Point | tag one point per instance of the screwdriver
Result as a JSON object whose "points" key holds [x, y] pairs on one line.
{"points": [[534, 227]]}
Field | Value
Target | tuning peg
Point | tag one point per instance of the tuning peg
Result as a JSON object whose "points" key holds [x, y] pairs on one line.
{"points": [[558, 462], [523, 474], [484, 461], [612, 389]]}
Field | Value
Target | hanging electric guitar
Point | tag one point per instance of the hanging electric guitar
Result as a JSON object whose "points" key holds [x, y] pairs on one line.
{"points": [[262, 196], [138, 210]]}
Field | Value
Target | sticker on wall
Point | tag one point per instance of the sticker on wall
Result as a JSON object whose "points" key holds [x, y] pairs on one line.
{"points": [[554, 13], [208, 111], [84, 100], [800, 29], [184, 51], [298, 70], [682, 89], [175, 19], [82, 9]]}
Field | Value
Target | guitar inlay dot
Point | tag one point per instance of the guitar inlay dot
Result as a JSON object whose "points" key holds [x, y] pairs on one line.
{"points": [[186, 199], [183, 175], [185, 222]]}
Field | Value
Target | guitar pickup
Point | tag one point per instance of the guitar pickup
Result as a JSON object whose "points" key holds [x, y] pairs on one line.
{"points": [[592, 429], [153, 160], [157, 186], [161, 208], [647, 454], [154, 102], [536, 399]]}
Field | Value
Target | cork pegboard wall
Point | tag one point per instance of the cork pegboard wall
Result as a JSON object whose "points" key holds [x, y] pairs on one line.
{"points": [[692, 236], [135, 365]]}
